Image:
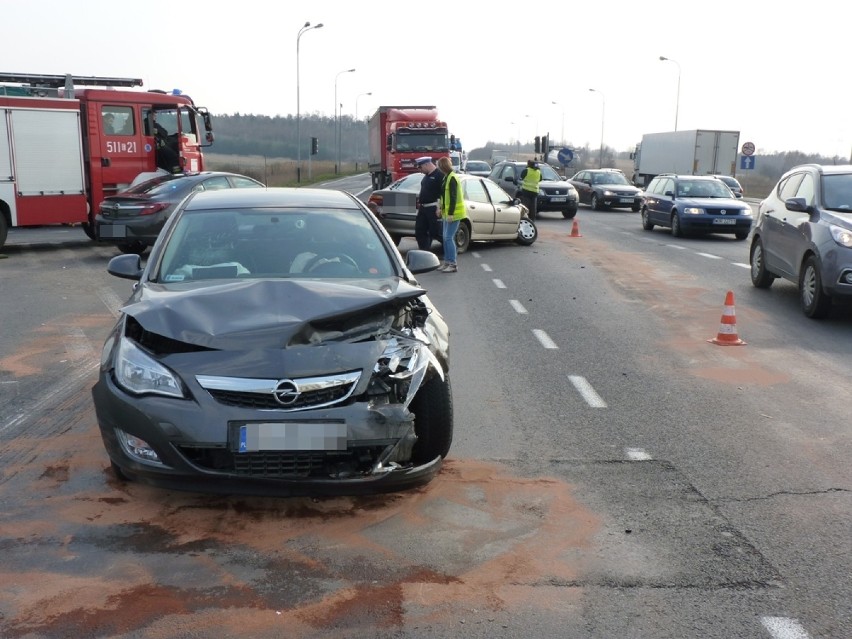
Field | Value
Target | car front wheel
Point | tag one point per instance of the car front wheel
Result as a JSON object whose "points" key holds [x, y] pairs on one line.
{"points": [[646, 220], [527, 232], [138, 248], [815, 302], [760, 277], [569, 214], [433, 420], [596, 203], [677, 231]]}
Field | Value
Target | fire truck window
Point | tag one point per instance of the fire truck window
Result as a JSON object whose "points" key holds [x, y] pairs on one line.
{"points": [[118, 120]]}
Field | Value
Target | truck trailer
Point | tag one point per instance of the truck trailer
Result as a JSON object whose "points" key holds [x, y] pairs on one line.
{"points": [[64, 148], [399, 135], [694, 152]]}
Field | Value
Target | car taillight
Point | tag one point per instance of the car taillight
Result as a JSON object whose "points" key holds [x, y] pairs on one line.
{"points": [[150, 209], [378, 201]]}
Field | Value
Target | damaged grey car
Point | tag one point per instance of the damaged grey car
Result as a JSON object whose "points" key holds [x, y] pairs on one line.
{"points": [[276, 343]]}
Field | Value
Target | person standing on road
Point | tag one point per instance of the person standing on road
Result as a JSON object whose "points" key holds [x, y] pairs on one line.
{"points": [[528, 192], [426, 224], [452, 212]]}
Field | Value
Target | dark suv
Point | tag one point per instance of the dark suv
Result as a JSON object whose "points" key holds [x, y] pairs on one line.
{"points": [[554, 192], [694, 203], [803, 233]]}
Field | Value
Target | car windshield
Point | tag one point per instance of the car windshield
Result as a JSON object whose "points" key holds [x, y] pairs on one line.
{"points": [[731, 182], [409, 183], [837, 192], [547, 173], [478, 166], [702, 188], [609, 178], [291, 243]]}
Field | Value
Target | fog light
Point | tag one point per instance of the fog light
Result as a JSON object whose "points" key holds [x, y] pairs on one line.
{"points": [[137, 447], [846, 277]]}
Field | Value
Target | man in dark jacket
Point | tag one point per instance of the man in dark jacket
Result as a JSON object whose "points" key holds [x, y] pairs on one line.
{"points": [[427, 225]]}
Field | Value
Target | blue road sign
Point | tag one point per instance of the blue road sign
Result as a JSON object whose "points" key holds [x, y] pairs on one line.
{"points": [[565, 156], [747, 162]]}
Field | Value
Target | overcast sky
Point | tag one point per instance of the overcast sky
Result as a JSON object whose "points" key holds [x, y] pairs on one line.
{"points": [[777, 74]]}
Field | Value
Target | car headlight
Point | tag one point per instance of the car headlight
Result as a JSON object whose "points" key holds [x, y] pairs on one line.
{"points": [[140, 374], [841, 235], [608, 193], [693, 210], [747, 211]]}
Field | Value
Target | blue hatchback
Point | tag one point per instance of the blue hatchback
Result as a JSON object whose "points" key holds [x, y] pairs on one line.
{"points": [[694, 203]]}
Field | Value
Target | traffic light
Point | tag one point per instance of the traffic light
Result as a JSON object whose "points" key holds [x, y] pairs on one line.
{"points": [[537, 144], [314, 146], [544, 148]]}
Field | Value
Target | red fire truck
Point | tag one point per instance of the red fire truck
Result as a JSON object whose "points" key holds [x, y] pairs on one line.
{"points": [[401, 134], [63, 149]]}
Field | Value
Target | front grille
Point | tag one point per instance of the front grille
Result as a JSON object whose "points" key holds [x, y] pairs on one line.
{"points": [[308, 399], [285, 464]]}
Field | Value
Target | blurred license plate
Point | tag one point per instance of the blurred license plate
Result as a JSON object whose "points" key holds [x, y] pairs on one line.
{"points": [[559, 199], [292, 436], [720, 220], [113, 230], [625, 200]]}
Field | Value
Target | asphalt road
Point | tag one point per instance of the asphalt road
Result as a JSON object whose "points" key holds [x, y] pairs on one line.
{"points": [[613, 474]]}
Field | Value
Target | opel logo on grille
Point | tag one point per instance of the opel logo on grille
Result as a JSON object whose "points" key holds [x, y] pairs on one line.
{"points": [[286, 392], [724, 212]]}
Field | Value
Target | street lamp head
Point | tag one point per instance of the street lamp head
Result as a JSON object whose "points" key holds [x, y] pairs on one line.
{"points": [[662, 57], [319, 26], [307, 24]]}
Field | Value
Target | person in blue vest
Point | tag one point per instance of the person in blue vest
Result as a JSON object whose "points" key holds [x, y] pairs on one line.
{"points": [[453, 211], [528, 191]]}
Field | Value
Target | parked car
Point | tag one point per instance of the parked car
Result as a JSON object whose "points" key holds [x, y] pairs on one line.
{"points": [[803, 233], [276, 343], [492, 214], [694, 203], [606, 188], [133, 218], [733, 184], [480, 168], [555, 193]]}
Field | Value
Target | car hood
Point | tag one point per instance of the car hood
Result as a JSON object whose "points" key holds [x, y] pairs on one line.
{"points": [[254, 314], [619, 188], [717, 202]]}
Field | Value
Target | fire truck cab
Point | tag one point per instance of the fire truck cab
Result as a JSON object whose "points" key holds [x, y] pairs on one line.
{"points": [[67, 142]]}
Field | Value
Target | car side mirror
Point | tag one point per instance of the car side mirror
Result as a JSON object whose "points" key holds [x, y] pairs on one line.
{"points": [[797, 204], [669, 193]]}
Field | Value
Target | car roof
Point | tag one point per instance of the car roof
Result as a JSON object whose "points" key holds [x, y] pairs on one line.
{"points": [[273, 197], [826, 169]]}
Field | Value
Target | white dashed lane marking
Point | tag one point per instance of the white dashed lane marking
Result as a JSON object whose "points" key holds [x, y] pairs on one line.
{"points": [[587, 392]]}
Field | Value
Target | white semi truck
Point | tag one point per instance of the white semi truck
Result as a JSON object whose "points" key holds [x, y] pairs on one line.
{"points": [[693, 152]]}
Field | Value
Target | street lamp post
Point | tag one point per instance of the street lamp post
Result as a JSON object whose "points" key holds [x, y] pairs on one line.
{"points": [[562, 138], [337, 119], [603, 110], [518, 140], [306, 27], [677, 104], [358, 127]]}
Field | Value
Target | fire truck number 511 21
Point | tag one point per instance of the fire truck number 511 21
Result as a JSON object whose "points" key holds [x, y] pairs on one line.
{"points": [[114, 146]]}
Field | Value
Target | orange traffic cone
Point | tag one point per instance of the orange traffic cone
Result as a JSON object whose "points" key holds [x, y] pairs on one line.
{"points": [[575, 229], [727, 335]]}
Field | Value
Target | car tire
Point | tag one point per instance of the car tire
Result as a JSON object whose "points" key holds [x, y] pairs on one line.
{"points": [[816, 303], [433, 420], [677, 231], [635, 208], [760, 277], [741, 235], [137, 248], [647, 224], [527, 232], [569, 214], [462, 238], [596, 203], [119, 474]]}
